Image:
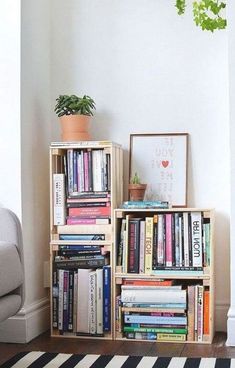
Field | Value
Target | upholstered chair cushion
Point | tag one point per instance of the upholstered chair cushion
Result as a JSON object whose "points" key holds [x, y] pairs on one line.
{"points": [[11, 271]]}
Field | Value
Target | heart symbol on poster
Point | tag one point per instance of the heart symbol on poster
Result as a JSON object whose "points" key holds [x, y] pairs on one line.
{"points": [[165, 163]]}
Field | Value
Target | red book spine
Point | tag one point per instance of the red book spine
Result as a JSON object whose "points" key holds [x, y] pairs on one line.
{"points": [[90, 211]]}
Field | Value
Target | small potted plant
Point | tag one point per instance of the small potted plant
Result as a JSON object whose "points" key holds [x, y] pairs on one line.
{"points": [[136, 189], [74, 113]]}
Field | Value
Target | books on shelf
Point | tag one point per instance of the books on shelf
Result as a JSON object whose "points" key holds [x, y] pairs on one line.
{"points": [[82, 301], [170, 243]]}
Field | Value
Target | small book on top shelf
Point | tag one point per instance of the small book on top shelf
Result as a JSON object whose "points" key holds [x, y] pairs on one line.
{"points": [[145, 204]]}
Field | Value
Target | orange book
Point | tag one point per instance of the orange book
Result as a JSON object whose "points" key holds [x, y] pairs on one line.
{"points": [[206, 313], [148, 282]]}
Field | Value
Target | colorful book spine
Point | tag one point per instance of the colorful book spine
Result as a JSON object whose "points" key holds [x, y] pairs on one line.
{"points": [[206, 313], [156, 330], [133, 246], [90, 212], [168, 239], [171, 337], [107, 298], [191, 313], [86, 221], [160, 245], [70, 301], [160, 320], [142, 247]]}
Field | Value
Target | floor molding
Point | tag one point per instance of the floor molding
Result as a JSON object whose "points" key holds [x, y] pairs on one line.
{"points": [[31, 321]]}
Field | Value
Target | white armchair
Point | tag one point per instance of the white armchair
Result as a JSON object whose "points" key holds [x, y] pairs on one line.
{"points": [[11, 265]]}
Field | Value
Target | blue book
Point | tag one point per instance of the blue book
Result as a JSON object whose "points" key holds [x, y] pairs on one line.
{"points": [[79, 247], [82, 237], [145, 204], [107, 298]]}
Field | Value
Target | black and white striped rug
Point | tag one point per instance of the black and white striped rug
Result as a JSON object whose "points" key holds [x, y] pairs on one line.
{"points": [[38, 359]]}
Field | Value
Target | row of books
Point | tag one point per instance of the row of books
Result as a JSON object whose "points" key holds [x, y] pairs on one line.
{"points": [[162, 310], [87, 170], [82, 301], [171, 242], [80, 256], [82, 208]]}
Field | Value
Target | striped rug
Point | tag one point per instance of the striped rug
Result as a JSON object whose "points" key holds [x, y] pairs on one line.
{"points": [[38, 359]]}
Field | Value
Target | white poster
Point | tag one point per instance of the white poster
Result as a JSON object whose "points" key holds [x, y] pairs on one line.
{"points": [[160, 160]]}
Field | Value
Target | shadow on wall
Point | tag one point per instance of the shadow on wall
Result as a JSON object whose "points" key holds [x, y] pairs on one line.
{"points": [[100, 127]]}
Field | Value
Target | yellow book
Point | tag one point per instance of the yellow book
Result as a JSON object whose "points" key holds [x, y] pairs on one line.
{"points": [[171, 337], [148, 261]]}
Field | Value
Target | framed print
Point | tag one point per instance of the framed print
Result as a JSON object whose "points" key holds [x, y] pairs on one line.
{"points": [[160, 160]]}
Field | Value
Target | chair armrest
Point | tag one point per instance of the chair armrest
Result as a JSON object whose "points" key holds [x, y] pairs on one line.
{"points": [[11, 270]]}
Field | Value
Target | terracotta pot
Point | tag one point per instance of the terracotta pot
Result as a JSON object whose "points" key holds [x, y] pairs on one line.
{"points": [[137, 191], [75, 128]]}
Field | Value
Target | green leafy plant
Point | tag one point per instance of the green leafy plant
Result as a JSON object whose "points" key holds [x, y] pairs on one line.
{"points": [[206, 13], [180, 5], [73, 105], [210, 23], [135, 179]]}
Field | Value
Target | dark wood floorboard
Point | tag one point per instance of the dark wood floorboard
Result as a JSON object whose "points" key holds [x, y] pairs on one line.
{"points": [[67, 345]]}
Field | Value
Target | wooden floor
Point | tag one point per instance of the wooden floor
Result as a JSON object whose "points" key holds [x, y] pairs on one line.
{"points": [[45, 343]]}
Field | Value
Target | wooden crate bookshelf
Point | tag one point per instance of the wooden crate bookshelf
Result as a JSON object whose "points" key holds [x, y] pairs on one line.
{"points": [[202, 281], [63, 319]]}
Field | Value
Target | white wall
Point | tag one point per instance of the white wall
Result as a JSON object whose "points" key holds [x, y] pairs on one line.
{"points": [[24, 141], [150, 70], [10, 188], [231, 34]]}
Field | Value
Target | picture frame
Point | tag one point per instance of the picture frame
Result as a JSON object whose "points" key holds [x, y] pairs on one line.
{"points": [[161, 161]]}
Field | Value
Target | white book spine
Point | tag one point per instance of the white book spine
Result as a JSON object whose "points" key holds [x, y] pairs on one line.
{"points": [[99, 301], [59, 199], [186, 240], [148, 296], [70, 170], [200, 313], [92, 302], [195, 311], [196, 225], [82, 301]]}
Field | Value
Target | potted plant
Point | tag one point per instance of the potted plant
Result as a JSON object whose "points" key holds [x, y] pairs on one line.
{"points": [[136, 189], [74, 113]]}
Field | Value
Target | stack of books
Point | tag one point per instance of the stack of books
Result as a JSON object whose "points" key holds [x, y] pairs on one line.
{"points": [[153, 309]]}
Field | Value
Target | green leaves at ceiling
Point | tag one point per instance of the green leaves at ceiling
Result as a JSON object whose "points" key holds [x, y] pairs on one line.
{"points": [[206, 13]]}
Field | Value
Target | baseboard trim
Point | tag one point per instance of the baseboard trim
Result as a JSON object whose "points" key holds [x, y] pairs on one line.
{"points": [[231, 327], [30, 321], [34, 319], [221, 312]]}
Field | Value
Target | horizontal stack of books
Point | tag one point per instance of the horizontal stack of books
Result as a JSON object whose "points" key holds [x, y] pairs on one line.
{"points": [[164, 242], [153, 310]]}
